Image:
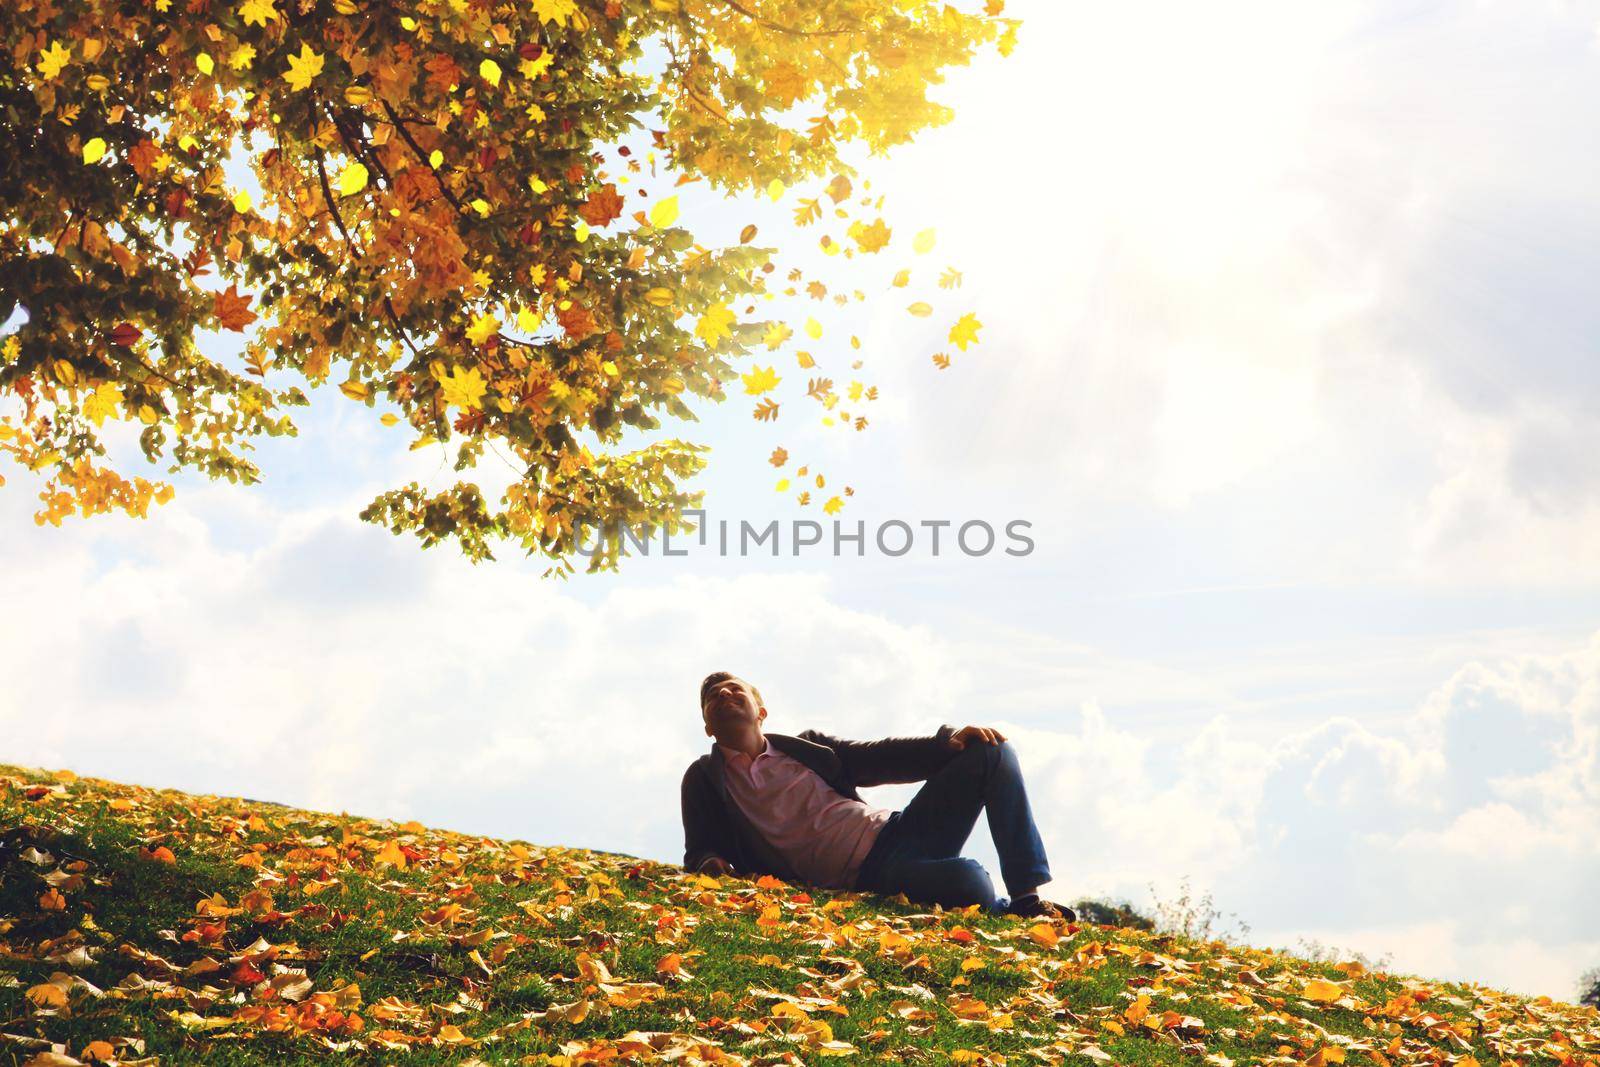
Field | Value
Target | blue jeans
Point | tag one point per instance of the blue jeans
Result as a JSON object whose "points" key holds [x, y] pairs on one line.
{"points": [[918, 851]]}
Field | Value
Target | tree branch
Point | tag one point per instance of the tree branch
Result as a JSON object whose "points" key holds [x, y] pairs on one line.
{"points": [[422, 156]]}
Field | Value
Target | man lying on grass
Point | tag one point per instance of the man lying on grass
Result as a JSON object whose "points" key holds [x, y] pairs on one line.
{"points": [[767, 803]]}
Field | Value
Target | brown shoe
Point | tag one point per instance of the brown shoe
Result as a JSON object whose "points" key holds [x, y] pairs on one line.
{"points": [[1033, 907]]}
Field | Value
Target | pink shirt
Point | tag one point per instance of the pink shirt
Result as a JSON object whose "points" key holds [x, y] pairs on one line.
{"points": [[823, 834]]}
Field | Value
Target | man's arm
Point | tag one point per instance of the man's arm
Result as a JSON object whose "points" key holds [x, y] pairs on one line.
{"points": [[706, 833], [892, 760]]}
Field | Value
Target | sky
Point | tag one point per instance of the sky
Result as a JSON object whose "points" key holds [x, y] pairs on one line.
{"points": [[1287, 363]]}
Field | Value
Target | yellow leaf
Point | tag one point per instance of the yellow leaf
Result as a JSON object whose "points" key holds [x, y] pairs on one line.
{"points": [[664, 213], [105, 400], [435, 158], [923, 242], [1323, 991], [921, 309], [483, 327], [965, 331], [775, 189], [47, 995], [659, 297], [390, 856], [53, 60], [303, 68], [94, 150], [834, 505], [258, 12], [353, 180], [354, 390], [389, 418], [204, 63], [782, 486], [464, 389], [714, 324], [610, 368], [813, 329], [760, 380], [489, 71], [241, 201], [902, 279]]}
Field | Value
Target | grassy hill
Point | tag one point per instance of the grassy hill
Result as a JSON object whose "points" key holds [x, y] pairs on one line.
{"points": [[139, 925]]}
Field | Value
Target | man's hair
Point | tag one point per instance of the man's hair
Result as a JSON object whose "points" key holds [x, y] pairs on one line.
{"points": [[716, 678]]}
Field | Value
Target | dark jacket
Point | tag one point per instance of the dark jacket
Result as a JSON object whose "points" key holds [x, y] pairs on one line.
{"points": [[713, 825]]}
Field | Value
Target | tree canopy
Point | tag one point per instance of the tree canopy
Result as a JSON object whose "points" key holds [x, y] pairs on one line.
{"points": [[461, 209]]}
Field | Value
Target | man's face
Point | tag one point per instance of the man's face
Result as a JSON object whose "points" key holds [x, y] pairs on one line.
{"points": [[731, 703]]}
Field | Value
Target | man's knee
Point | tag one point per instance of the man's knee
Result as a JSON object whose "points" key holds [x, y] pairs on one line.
{"points": [[970, 884], [1002, 753]]}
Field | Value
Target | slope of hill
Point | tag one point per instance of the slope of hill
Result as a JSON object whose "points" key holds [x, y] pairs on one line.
{"points": [[139, 925]]}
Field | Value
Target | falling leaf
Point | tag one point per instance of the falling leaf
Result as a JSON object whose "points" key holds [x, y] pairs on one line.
{"points": [[760, 380], [965, 331], [94, 149], [664, 213], [923, 242], [232, 310]]}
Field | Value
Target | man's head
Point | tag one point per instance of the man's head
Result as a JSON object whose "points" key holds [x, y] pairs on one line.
{"points": [[729, 703]]}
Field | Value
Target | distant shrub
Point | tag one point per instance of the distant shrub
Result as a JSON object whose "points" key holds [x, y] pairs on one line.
{"points": [[1112, 913], [1197, 916], [1317, 952]]}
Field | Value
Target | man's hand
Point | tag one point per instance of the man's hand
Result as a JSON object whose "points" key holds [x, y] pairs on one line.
{"points": [[714, 865], [987, 734]]}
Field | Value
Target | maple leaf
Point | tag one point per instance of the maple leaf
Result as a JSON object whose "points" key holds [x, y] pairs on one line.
{"points": [[303, 68], [603, 206], [776, 335], [784, 83], [105, 400], [52, 60], [576, 320], [557, 11], [965, 331], [483, 327], [760, 380], [871, 237], [714, 324], [232, 310], [258, 12], [834, 505], [464, 388]]}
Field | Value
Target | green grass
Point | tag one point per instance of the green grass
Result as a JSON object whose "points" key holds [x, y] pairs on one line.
{"points": [[475, 949]]}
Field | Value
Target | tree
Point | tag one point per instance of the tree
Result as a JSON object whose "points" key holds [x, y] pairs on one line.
{"points": [[443, 226], [1589, 988]]}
